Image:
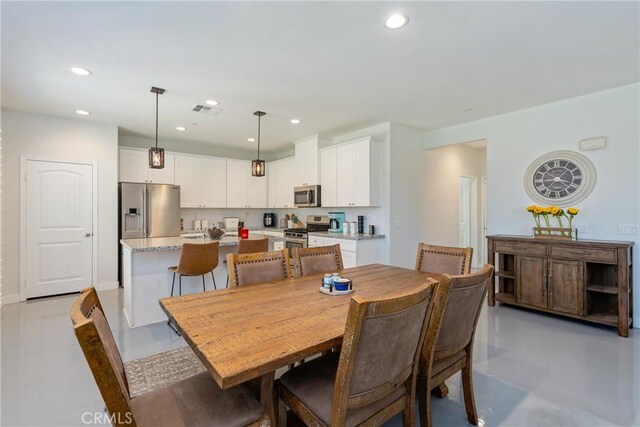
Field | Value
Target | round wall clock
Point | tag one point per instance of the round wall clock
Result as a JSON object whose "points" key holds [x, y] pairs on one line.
{"points": [[561, 178]]}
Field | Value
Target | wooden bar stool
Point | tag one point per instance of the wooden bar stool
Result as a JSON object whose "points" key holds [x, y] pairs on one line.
{"points": [[196, 259], [246, 246]]}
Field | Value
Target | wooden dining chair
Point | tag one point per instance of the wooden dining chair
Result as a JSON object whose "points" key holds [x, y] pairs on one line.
{"points": [[195, 401], [450, 349], [196, 259], [323, 259], [372, 378], [250, 246], [443, 259], [248, 269]]}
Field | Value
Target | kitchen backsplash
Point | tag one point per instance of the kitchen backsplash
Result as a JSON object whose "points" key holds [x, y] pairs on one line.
{"points": [[253, 217]]}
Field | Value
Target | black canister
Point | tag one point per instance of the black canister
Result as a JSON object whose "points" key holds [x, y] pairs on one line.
{"points": [[360, 224], [372, 230]]}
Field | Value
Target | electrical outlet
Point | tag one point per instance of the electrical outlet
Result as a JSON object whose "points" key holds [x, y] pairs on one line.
{"points": [[628, 228]]}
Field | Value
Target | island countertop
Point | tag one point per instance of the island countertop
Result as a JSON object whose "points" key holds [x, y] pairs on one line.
{"points": [[358, 236], [174, 243]]}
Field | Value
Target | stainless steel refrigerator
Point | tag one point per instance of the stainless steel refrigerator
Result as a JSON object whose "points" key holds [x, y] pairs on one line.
{"points": [[147, 210]]}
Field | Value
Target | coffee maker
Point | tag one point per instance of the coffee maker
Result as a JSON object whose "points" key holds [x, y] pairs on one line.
{"points": [[269, 220], [336, 221]]}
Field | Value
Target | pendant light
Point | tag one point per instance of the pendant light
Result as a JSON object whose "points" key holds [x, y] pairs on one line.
{"points": [[156, 155], [257, 165]]}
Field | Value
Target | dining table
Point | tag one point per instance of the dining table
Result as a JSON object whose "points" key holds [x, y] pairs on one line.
{"points": [[247, 332]]}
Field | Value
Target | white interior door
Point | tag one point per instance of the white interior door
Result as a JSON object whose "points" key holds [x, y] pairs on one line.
{"points": [[59, 235], [467, 215]]}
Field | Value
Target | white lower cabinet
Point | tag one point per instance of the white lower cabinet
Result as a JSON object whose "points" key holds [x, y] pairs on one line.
{"points": [[354, 252]]}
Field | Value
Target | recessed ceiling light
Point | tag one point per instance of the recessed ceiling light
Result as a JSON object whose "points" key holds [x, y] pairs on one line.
{"points": [[251, 139], [212, 102], [295, 121], [83, 112], [396, 21], [181, 128], [81, 71]]}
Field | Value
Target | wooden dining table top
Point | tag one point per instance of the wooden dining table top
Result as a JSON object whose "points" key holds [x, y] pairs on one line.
{"points": [[248, 331]]}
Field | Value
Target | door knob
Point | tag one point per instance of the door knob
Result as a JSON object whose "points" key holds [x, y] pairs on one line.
{"points": [[87, 234]]}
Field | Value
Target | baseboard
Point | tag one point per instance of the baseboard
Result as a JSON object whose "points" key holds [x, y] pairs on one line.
{"points": [[107, 286], [9, 298]]}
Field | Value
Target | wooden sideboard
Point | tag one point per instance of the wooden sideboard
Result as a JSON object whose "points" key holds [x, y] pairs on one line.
{"points": [[583, 279]]}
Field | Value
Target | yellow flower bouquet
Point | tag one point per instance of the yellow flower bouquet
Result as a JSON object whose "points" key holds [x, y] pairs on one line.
{"points": [[545, 213]]}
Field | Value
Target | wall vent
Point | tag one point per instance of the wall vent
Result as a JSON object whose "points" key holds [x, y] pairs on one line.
{"points": [[205, 109]]}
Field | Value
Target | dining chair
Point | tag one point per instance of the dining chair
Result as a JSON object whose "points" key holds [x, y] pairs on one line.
{"points": [[443, 259], [323, 259], [250, 246], [196, 259], [450, 349], [195, 401], [373, 378], [248, 269]]}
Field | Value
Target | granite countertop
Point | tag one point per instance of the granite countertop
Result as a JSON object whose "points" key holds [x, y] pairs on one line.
{"points": [[346, 236], [175, 243]]}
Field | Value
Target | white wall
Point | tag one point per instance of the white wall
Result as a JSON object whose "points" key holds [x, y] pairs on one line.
{"points": [[64, 139], [516, 139], [406, 184], [443, 168]]}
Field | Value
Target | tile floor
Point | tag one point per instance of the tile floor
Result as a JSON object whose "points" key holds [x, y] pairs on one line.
{"points": [[530, 369]]}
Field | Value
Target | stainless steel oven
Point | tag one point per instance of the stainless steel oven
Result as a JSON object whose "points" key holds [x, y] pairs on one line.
{"points": [[295, 239], [307, 196]]}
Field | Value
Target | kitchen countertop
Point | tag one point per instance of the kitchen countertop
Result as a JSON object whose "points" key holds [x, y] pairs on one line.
{"points": [[175, 243], [341, 235]]}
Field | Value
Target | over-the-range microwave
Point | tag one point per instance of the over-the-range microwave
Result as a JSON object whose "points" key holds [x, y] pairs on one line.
{"points": [[307, 196]]}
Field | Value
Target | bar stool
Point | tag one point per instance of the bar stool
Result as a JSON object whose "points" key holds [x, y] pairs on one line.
{"points": [[196, 259], [246, 246]]}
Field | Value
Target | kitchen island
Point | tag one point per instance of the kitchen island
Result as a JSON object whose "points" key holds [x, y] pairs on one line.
{"points": [[146, 278]]}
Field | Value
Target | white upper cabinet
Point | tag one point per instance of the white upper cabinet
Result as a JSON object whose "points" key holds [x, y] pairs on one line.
{"points": [[134, 167], [352, 174], [202, 181], [244, 190], [280, 177], [307, 162], [329, 176]]}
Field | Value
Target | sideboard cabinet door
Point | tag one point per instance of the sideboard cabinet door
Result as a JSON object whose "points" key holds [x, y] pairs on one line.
{"points": [[566, 286], [530, 281]]}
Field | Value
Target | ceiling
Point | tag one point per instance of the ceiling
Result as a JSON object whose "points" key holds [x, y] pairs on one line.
{"points": [[330, 64]]}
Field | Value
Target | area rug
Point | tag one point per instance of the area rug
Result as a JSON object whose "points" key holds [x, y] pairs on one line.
{"points": [[160, 370]]}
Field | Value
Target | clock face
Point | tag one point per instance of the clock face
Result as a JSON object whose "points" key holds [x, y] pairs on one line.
{"points": [[557, 178], [561, 178]]}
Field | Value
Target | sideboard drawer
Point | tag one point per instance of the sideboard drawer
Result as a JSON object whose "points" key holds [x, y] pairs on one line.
{"points": [[519, 248], [584, 254]]}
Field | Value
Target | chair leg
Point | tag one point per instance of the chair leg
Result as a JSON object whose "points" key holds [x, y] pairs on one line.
{"points": [[173, 328], [409, 413], [227, 285], [467, 388], [282, 414], [173, 282], [214, 281], [424, 401], [441, 391], [180, 284], [203, 288]]}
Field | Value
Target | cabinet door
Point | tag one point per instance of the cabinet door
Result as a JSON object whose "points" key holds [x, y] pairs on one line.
{"points": [[189, 177], [214, 183], [348, 259], [286, 177], [362, 176], [329, 179], [238, 173], [346, 175], [566, 286], [256, 191], [531, 276], [272, 183], [166, 175], [134, 165], [305, 171]]}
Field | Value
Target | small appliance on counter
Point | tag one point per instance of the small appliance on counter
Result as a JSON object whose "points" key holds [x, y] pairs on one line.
{"points": [[336, 221], [230, 225], [269, 220]]}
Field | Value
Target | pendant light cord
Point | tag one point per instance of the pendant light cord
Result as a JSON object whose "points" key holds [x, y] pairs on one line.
{"points": [[157, 94], [259, 117]]}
